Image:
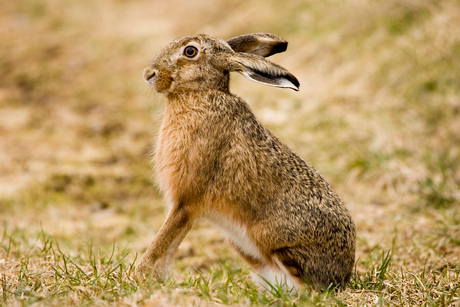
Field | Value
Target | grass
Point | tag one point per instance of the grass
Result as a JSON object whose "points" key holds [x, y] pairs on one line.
{"points": [[50, 273], [378, 114], [47, 275]]}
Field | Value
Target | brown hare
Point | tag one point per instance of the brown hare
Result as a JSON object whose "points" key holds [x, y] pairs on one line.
{"points": [[215, 160]]}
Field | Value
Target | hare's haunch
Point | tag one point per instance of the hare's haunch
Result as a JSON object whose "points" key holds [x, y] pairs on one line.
{"points": [[215, 160]]}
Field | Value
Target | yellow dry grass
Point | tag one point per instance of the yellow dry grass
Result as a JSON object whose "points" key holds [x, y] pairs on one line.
{"points": [[378, 114]]}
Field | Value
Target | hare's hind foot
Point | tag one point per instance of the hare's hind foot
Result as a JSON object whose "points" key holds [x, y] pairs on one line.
{"points": [[267, 274], [270, 275]]}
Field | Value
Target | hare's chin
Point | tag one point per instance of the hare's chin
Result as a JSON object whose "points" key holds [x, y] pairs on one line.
{"points": [[156, 86]]}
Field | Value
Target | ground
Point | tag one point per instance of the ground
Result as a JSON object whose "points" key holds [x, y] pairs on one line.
{"points": [[378, 113]]}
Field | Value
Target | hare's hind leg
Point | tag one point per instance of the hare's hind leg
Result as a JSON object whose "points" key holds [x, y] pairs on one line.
{"points": [[288, 261], [266, 272]]}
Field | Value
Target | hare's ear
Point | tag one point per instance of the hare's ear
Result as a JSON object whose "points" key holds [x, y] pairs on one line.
{"points": [[258, 69], [263, 44]]}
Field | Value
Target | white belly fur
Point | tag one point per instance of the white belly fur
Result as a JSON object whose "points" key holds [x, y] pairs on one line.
{"points": [[237, 234]]}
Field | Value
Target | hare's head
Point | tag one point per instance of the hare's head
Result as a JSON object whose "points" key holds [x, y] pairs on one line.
{"points": [[195, 63]]}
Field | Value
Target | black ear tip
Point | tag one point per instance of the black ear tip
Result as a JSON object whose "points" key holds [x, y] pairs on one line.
{"points": [[278, 48], [294, 81]]}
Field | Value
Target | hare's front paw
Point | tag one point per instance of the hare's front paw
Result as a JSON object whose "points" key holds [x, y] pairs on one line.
{"points": [[144, 270], [141, 270]]}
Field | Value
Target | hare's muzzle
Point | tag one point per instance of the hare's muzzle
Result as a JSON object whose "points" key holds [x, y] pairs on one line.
{"points": [[149, 76]]}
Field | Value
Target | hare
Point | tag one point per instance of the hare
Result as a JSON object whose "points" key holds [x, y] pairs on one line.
{"points": [[215, 160]]}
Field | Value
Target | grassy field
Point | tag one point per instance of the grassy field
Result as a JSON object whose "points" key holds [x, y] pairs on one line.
{"points": [[378, 114]]}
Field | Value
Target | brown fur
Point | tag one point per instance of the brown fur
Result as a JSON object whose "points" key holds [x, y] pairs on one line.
{"points": [[263, 44], [215, 160]]}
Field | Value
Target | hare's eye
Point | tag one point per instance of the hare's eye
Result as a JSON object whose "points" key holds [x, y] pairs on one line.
{"points": [[190, 51]]}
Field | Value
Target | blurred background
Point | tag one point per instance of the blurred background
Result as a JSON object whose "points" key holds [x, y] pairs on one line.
{"points": [[378, 113]]}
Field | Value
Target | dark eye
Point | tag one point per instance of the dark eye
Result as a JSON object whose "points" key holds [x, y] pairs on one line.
{"points": [[190, 51]]}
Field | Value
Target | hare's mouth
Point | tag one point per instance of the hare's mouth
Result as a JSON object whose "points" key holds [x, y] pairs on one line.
{"points": [[151, 82], [150, 76], [157, 80]]}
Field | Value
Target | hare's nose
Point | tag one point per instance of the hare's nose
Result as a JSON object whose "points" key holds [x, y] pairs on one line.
{"points": [[149, 73]]}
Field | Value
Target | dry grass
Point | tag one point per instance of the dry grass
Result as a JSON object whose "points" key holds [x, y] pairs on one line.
{"points": [[378, 114]]}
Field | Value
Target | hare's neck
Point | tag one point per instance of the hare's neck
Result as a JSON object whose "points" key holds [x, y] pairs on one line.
{"points": [[192, 100], [178, 152]]}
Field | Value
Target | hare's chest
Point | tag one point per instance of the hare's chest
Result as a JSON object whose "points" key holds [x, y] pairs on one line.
{"points": [[177, 160]]}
